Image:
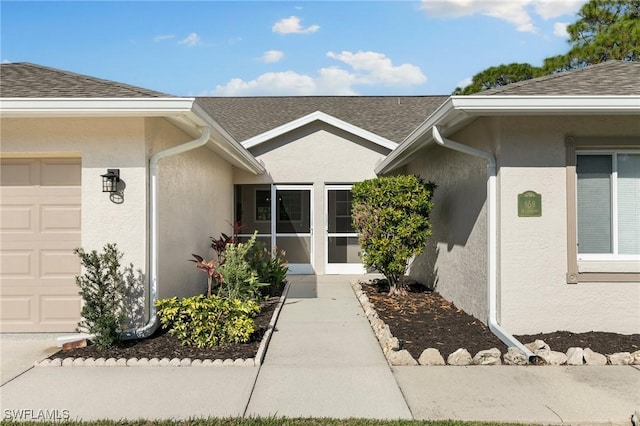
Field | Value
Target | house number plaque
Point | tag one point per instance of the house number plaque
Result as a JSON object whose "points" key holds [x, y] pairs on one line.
{"points": [[529, 204]]}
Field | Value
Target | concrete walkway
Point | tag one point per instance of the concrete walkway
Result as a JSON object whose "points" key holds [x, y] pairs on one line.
{"points": [[324, 361]]}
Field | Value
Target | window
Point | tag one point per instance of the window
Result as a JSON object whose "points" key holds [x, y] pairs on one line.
{"points": [[603, 207], [608, 205], [263, 205]]}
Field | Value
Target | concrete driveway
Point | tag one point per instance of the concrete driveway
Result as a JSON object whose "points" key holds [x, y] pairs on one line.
{"points": [[20, 350]]}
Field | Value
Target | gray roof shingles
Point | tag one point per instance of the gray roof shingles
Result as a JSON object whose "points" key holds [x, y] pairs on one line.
{"points": [[392, 117], [25, 80], [607, 78]]}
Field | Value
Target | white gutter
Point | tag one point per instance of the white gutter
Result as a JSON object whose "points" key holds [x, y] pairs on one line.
{"points": [[492, 229], [151, 326]]}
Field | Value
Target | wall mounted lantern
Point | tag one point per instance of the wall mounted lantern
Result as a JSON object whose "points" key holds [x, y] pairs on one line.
{"points": [[110, 180]]}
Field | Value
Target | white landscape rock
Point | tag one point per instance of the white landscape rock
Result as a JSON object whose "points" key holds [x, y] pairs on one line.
{"points": [[594, 358], [56, 362], [401, 358], [537, 345], [488, 357], [620, 358], [575, 356], [431, 356], [460, 357], [392, 344], [552, 357], [515, 356], [636, 357]]}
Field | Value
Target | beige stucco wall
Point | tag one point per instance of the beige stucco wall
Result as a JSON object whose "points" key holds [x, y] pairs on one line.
{"points": [[316, 154], [533, 251], [195, 201], [533, 294], [101, 143], [454, 259]]}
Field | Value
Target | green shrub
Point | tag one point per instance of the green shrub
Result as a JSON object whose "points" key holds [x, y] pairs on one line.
{"points": [[391, 215], [239, 277], [271, 266], [103, 290], [206, 322]]}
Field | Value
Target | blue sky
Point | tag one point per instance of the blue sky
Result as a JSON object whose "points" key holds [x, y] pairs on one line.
{"points": [[247, 48]]}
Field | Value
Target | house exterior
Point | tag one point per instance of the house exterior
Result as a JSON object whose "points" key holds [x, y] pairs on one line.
{"points": [[567, 201], [564, 169], [60, 132]]}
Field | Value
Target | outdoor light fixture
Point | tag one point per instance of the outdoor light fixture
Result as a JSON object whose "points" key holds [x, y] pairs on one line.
{"points": [[110, 180]]}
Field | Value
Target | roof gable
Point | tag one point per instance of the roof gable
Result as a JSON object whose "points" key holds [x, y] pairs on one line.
{"points": [[25, 80], [318, 116], [604, 79], [389, 117]]}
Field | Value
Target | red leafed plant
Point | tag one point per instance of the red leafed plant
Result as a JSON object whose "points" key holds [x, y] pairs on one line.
{"points": [[211, 268], [220, 244]]}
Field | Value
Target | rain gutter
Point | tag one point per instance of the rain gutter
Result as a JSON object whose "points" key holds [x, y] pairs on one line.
{"points": [[152, 324], [492, 229]]}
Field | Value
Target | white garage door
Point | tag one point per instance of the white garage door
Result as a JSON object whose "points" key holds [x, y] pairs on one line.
{"points": [[39, 228]]}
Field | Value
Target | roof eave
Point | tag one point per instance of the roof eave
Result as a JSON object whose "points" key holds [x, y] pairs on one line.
{"points": [[458, 111], [93, 107]]}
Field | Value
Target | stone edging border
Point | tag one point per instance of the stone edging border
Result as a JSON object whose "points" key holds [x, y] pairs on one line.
{"points": [[396, 356], [175, 362]]}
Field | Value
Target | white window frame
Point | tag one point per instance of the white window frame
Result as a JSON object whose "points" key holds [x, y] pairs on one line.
{"points": [[608, 257]]}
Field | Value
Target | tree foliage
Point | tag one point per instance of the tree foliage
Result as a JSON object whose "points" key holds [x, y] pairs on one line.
{"points": [[391, 215], [499, 76], [605, 30]]}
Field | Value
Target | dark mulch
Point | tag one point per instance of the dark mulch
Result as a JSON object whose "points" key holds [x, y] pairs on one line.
{"points": [[424, 319], [163, 345]]}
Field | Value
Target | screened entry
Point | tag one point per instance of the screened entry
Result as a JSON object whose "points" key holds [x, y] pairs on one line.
{"points": [[283, 217]]}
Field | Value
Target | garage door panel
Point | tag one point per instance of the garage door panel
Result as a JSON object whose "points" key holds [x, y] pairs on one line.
{"points": [[60, 218], [39, 227], [58, 264], [60, 172], [19, 173], [17, 308], [16, 264], [58, 309]]}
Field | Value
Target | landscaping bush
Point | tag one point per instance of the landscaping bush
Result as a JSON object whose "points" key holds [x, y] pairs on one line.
{"points": [[271, 266], [391, 215], [206, 322], [103, 290], [240, 278]]}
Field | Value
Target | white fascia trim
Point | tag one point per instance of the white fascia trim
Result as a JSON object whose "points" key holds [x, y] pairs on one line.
{"points": [[507, 105], [458, 108], [94, 107], [321, 116]]}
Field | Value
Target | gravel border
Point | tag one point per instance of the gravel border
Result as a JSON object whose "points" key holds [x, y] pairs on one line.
{"points": [[175, 362], [396, 356]]}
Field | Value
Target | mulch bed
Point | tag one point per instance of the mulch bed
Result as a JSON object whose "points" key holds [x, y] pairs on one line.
{"points": [[163, 345], [423, 319]]}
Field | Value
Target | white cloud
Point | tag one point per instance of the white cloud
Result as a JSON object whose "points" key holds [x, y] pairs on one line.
{"points": [[272, 56], [163, 37], [516, 12], [464, 83], [192, 39], [291, 25], [560, 29], [376, 68], [366, 69]]}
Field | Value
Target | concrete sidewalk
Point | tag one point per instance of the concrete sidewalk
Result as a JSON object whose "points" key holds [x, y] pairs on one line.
{"points": [[324, 361]]}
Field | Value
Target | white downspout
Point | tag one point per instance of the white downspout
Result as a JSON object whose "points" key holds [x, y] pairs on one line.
{"points": [[492, 230], [151, 326]]}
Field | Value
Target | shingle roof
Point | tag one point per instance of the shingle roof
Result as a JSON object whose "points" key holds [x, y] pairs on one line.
{"points": [[606, 78], [25, 80], [392, 117]]}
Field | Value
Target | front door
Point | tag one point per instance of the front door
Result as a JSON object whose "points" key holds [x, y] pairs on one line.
{"points": [[342, 253]]}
